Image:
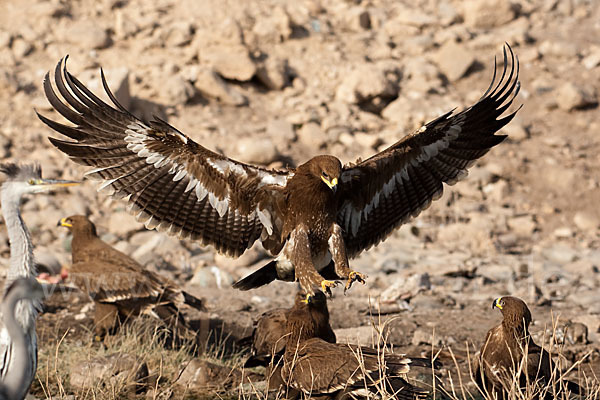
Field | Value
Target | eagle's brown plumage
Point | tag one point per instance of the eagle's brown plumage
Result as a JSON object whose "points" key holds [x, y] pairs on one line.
{"points": [[270, 333], [316, 367], [119, 285], [503, 351], [307, 216]]}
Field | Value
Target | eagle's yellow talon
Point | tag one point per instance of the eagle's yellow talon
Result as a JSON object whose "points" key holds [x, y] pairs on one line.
{"points": [[327, 285], [354, 276]]}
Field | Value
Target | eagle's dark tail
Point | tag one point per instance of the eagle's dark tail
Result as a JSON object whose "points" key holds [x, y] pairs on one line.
{"points": [[575, 388], [258, 278], [193, 301], [425, 362]]}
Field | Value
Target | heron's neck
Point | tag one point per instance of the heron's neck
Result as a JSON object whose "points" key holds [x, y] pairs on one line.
{"points": [[17, 373], [21, 258], [21, 249]]}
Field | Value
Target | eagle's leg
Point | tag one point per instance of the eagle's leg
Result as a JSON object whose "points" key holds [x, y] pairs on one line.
{"points": [[105, 319], [337, 248], [301, 257]]}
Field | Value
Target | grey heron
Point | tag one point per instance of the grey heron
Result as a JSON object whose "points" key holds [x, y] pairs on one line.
{"points": [[20, 289], [21, 180]]}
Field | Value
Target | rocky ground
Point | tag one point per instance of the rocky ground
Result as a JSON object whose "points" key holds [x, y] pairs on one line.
{"points": [[275, 82]]}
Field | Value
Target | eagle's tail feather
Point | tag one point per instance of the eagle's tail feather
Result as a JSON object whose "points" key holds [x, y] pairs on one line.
{"points": [[261, 277], [193, 301]]}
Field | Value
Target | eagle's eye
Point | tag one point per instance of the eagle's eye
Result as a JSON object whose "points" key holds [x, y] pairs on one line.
{"points": [[502, 303], [325, 175], [31, 181]]}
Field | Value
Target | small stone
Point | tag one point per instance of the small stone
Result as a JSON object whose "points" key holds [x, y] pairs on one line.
{"points": [[406, 288], [311, 135], [21, 48], [577, 333], [558, 48], [210, 84], [454, 60], [508, 240], [560, 254], [5, 39], [274, 28], [587, 299], [231, 62], [592, 60], [180, 34], [413, 16], [202, 375], [421, 337], [570, 96], [273, 73], [211, 277], [87, 36], [586, 221], [178, 90], [357, 19], [281, 129], [563, 232], [367, 140], [497, 273], [365, 83], [523, 226], [256, 150], [486, 14], [515, 131], [109, 369]]}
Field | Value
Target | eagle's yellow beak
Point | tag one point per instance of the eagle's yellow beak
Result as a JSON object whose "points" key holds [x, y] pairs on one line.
{"points": [[496, 303], [63, 222], [331, 183]]}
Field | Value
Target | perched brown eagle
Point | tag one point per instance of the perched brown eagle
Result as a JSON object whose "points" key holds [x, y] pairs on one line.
{"points": [[318, 368], [119, 285], [307, 216], [504, 350], [270, 334]]}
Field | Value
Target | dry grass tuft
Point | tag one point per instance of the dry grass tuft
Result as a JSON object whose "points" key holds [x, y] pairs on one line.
{"points": [[142, 342]]}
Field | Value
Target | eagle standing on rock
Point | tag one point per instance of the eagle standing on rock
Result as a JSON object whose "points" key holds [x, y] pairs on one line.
{"points": [[306, 217]]}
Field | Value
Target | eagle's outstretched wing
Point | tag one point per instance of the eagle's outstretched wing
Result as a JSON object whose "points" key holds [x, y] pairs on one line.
{"points": [[386, 190], [171, 183]]}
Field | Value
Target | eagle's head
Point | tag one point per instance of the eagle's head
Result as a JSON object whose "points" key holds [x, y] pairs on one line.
{"points": [[514, 310], [78, 223], [327, 168]]}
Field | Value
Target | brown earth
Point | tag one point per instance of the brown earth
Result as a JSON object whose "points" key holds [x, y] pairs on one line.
{"points": [[275, 82]]}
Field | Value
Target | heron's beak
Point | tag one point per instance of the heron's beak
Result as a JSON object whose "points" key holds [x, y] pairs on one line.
{"points": [[496, 304], [46, 185], [58, 183], [63, 222], [331, 183]]}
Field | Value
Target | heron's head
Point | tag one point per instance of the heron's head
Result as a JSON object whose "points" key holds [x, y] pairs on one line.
{"points": [[27, 178]]}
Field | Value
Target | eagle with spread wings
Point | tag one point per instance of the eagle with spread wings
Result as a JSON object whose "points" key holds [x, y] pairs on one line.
{"points": [[307, 217]]}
